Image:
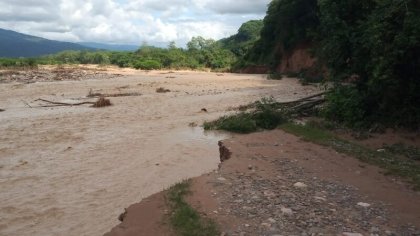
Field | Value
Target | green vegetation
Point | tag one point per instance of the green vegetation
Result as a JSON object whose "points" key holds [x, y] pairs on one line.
{"points": [[288, 23], [392, 162], [409, 152], [369, 49], [378, 44], [201, 53], [184, 219], [264, 116], [241, 42]]}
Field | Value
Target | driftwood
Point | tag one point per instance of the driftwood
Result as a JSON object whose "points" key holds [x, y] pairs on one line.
{"points": [[304, 106], [302, 99], [101, 102], [97, 95], [64, 103], [26, 103]]}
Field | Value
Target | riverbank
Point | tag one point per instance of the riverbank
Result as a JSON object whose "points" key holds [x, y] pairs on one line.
{"points": [[274, 183]]}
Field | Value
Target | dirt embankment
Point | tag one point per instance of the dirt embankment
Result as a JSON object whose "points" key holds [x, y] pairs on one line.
{"points": [[294, 61], [297, 60], [273, 183]]}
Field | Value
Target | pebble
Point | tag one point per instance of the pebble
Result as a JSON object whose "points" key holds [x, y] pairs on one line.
{"points": [[266, 225], [221, 179], [286, 211], [363, 204], [300, 185], [351, 234], [320, 199]]}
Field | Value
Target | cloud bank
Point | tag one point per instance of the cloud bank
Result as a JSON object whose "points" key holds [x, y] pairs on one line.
{"points": [[129, 21]]}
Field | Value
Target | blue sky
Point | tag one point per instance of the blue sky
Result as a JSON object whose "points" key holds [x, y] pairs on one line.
{"points": [[129, 21]]}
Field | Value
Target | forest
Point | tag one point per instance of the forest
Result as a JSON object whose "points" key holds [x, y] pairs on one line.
{"points": [[368, 50]]}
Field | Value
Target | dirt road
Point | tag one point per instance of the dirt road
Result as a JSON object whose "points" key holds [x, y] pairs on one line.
{"points": [[72, 170]]}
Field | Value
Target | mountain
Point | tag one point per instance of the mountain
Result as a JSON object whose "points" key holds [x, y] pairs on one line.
{"points": [[14, 44], [110, 47]]}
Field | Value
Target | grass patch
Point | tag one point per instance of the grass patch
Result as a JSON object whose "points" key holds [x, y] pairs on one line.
{"points": [[185, 220], [264, 116], [394, 164]]}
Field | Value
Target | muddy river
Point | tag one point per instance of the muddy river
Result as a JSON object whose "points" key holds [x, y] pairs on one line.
{"points": [[71, 170]]}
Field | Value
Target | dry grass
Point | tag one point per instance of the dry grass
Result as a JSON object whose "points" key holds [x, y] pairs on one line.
{"points": [[102, 102]]}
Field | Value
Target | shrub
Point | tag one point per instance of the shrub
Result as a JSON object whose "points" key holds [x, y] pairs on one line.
{"points": [[265, 116], [148, 65], [238, 123], [345, 105]]}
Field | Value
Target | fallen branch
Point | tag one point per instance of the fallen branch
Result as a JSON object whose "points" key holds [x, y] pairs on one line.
{"points": [[26, 103], [95, 95], [302, 99], [308, 104], [65, 103]]}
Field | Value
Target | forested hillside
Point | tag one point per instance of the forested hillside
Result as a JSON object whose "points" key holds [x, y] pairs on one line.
{"points": [[247, 35], [369, 48]]}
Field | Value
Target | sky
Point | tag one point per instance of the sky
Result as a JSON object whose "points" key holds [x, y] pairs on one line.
{"points": [[129, 21]]}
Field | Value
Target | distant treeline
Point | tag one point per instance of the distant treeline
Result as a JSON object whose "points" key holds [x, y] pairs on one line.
{"points": [[200, 53]]}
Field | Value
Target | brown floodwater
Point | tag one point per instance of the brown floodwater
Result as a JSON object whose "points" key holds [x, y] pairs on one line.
{"points": [[72, 170]]}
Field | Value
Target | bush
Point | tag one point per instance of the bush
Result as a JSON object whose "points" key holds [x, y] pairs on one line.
{"points": [[238, 123], [148, 65], [345, 105], [265, 116]]}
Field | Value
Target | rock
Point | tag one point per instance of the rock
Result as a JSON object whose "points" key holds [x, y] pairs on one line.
{"points": [[122, 215], [271, 220], [300, 185], [389, 233], [286, 211], [363, 204], [249, 167], [221, 179], [320, 199], [351, 234], [374, 230], [224, 151], [266, 225], [381, 150]]}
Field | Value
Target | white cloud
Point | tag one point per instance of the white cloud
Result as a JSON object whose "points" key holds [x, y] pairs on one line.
{"points": [[129, 21]]}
